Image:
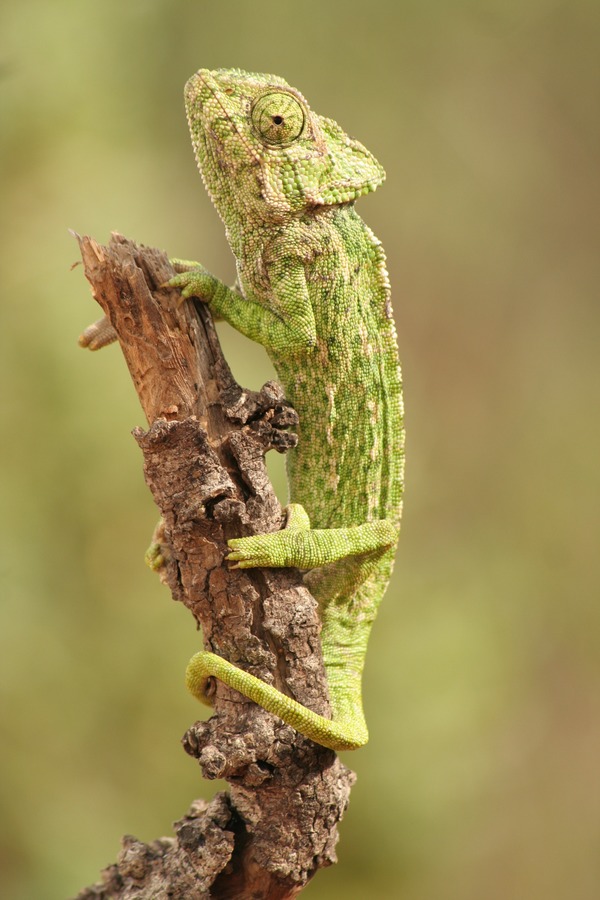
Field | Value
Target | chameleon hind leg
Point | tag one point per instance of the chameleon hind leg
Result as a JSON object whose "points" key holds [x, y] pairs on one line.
{"points": [[299, 545]]}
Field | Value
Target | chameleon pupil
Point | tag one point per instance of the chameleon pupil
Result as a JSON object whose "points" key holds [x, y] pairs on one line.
{"points": [[277, 118]]}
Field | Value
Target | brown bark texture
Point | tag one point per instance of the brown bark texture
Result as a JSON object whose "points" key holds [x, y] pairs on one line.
{"points": [[204, 463]]}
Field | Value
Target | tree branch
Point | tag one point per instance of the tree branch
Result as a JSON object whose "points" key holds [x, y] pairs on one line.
{"points": [[204, 463]]}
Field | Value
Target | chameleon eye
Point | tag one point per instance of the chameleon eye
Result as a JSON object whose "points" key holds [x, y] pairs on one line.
{"points": [[278, 118]]}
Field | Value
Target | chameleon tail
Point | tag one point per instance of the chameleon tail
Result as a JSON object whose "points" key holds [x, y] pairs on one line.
{"points": [[337, 735]]}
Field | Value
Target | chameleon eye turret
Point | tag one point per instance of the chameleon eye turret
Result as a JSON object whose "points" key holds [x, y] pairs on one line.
{"points": [[278, 118]]}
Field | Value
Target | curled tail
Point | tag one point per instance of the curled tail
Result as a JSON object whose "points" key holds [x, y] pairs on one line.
{"points": [[337, 734]]}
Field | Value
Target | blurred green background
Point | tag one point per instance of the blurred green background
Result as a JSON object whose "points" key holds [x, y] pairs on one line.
{"points": [[481, 779]]}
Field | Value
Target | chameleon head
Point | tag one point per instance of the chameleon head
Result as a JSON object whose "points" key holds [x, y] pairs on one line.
{"points": [[263, 152]]}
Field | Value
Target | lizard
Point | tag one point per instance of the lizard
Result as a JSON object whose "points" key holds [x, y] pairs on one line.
{"points": [[312, 288]]}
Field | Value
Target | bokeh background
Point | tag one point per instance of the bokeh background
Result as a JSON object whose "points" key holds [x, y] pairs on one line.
{"points": [[481, 779]]}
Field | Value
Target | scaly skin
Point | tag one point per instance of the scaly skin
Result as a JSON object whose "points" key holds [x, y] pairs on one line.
{"points": [[313, 290]]}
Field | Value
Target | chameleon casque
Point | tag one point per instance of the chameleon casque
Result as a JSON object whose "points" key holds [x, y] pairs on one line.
{"points": [[312, 288]]}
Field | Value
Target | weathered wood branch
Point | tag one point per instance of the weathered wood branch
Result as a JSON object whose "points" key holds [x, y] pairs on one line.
{"points": [[204, 463]]}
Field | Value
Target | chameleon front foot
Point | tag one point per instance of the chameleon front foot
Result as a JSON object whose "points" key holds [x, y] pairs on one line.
{"points": [[155, 557], [158, 553], [194, 282]]}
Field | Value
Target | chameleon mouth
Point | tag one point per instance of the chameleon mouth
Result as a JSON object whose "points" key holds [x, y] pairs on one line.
{"points": [[199, 88], [198, 91]]}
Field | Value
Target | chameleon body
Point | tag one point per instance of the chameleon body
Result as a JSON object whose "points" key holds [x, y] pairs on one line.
{"points": [[313, 290]]}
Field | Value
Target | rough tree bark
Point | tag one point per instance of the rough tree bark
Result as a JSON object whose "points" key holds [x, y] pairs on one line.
{"points": [[204, 463]]}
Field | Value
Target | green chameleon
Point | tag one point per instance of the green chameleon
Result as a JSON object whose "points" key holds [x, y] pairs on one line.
{"points": [[313, 290]]}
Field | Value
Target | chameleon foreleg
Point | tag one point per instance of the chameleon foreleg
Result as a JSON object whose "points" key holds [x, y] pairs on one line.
{"points": [[291, 328]]}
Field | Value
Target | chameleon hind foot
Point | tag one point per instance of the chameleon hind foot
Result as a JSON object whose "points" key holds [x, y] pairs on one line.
{"points": [[300, 546]]}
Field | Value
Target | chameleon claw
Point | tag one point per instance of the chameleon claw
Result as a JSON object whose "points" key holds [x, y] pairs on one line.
{"points": [[97, 335], [246, 560], [154, 557], [158, 553], [254, 551], [196, 282], [181, 281]]}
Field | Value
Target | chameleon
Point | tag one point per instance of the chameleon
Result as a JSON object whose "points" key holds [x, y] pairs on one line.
{"points": [[312, 288]]}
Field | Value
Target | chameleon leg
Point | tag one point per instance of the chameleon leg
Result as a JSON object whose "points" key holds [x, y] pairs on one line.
{"points": [[303, 547]]}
